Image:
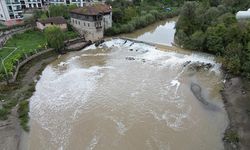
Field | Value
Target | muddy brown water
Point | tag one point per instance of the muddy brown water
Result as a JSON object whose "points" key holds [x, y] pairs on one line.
{"points": [[126, 96]]}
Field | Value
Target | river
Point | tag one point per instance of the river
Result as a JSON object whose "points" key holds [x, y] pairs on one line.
{"points": [[123, 95]]}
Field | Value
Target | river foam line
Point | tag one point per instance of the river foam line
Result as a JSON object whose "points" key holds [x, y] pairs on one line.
{"points": [[163, 58]]}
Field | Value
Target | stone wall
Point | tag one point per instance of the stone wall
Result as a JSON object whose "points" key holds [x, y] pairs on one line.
{"points": [[22, 63]]}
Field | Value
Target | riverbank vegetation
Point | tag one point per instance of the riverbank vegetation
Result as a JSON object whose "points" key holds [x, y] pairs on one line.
{"points": [[129, 16], [18, 47], [18, 93], [25, 44], [55, 37], [211, 26]]}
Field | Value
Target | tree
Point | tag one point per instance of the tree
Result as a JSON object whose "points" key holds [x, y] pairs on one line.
{"points": [[187, 19], [197, 41], [129, 13], [117, 15], [58, 10], [54, 37], [215, 41]]}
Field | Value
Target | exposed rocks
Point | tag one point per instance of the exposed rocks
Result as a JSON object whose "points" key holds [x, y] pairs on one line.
{"points": [[198, 65], [196, 89], [97, 43], [125, 42], [186, 63], [130, 58]]}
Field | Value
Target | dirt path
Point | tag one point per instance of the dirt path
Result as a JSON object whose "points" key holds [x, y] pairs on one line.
{"points": [[237, 103]]}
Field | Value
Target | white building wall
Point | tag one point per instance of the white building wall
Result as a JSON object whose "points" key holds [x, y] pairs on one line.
{"points": [[33, 3], [107, 19], [4, 13], [10, 10], [92, 30], [57, 2]]}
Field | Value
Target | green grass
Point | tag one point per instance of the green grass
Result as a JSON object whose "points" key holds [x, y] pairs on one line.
{"points": [[26, 43], [23, 112], [70, 35]]}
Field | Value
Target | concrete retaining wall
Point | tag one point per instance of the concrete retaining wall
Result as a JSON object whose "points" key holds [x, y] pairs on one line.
{"points": [[25, 61], [5, 37]]}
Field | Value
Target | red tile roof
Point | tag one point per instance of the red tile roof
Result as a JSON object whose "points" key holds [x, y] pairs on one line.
{"points": [[92, 10]]}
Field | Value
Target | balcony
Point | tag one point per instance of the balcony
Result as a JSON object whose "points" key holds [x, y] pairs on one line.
{"points": [[18, 10]]}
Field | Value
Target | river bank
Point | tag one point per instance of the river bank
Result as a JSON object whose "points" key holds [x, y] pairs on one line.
{"points": [[21, 90], [236, 95]]}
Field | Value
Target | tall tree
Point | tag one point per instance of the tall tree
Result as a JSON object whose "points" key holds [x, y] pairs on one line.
{"points": [[55, 37]]}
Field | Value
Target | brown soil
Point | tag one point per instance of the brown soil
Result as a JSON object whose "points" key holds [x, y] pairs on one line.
{"points": [[237, 103]]}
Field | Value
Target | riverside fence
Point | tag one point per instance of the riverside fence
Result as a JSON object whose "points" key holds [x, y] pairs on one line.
{"points": [[10, 74]]}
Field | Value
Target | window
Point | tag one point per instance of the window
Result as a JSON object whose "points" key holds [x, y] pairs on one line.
{"points": [[88, 24], [79, 22], [84, 24]]}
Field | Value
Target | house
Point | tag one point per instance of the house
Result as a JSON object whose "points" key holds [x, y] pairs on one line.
{"points": [[58, 21], [91, 20], [243, 15]]}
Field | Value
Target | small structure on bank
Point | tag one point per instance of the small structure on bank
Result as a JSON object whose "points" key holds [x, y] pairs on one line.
{"points": [[243, 15], [91, 21], [57, 21]]}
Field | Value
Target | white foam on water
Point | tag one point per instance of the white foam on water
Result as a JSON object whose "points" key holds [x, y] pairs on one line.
{"points": [[120, 126], [93, 143], [51, 95], [165, 58], [89, 47], [175, 83], [174, 120], [61, 64], [98, 54]]}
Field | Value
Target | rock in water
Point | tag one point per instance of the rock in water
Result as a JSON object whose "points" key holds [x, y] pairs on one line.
{"points": [[197, 91]]}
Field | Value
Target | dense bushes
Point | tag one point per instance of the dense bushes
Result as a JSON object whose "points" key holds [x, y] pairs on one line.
{"points": [[216, 30]]}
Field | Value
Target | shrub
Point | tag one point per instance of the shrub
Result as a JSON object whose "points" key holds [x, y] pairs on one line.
{"points": [[23, 111], [3, 114]]}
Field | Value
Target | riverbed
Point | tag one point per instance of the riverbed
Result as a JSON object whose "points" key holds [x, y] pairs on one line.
{"points": [[127, 95]]}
